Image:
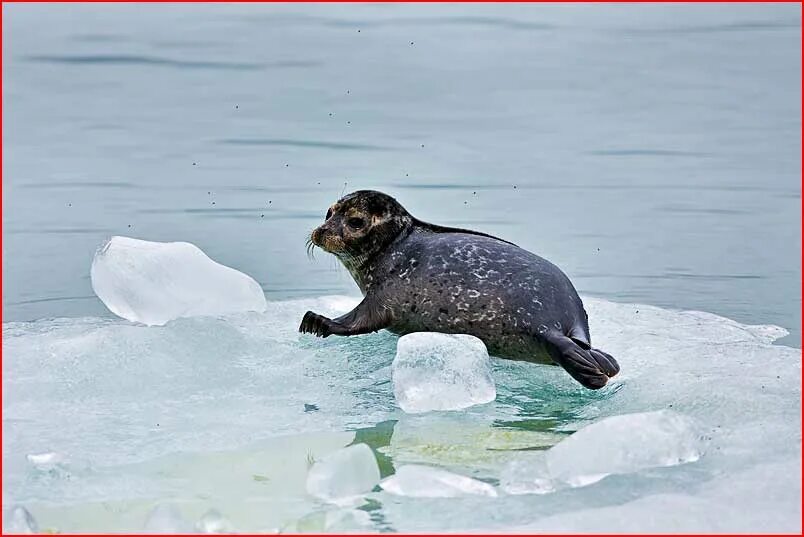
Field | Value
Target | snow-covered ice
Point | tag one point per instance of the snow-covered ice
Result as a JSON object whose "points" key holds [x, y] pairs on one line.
{"points": [[427, 482], [155, 282], [210, 413], [433, 371], [342, 475]]}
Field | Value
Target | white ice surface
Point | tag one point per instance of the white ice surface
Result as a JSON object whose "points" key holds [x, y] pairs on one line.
{"points": [[226, 413], [155, 282], [433, 371]]}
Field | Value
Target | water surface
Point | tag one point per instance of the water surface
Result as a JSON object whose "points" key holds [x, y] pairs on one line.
{"points": [[653, 152]]}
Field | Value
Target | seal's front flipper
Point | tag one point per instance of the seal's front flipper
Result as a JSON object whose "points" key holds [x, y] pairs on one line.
{"points": [[591, 367], [369, 316]]}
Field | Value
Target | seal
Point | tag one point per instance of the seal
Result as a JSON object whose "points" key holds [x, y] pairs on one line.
{"points": [[421, 277]]}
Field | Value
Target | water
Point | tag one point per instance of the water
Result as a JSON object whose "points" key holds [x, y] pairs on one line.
{"points": [[653, 152]]}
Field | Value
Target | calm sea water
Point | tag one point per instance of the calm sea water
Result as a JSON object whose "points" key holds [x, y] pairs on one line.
{"points": [[651, 151]]}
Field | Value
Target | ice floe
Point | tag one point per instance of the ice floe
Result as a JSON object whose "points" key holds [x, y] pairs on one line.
{"points": [[119, 417]]}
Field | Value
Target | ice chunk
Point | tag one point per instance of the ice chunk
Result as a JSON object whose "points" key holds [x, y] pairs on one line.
{"points": [[19, 520], [214, 522], [155, 282], [53, 465], [428, 482], [433, 371], [344, 474], [166, 518], [615, 445], [45, 460], [624, 444]]}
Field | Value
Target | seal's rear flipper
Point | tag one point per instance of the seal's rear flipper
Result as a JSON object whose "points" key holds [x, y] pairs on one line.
{"points": [[591, 367]]}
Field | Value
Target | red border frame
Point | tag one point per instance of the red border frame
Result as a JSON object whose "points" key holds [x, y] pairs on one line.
{"points": [[2, 132]]}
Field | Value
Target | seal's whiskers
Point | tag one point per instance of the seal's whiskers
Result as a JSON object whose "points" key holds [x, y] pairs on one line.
{"points": [[310, 247]]}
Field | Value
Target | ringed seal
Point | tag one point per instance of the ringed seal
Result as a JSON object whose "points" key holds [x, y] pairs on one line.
{"points": [[420, 277]]}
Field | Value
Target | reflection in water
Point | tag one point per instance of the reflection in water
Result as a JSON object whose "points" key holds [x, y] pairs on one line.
{"points": [[646, 152], [377, 437], [303, 144]]}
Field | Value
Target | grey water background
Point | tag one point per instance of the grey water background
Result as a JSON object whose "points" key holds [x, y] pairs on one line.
{"points": [[651, 151]]}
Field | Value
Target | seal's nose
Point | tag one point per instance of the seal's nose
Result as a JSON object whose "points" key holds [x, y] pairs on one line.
{"points": [[316, 236]]}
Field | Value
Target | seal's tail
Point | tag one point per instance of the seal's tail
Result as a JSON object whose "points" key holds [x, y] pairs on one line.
{"points": [[591, 367]]}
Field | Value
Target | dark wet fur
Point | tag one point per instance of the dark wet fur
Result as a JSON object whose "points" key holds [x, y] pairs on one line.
{"points": [[420, 277]]}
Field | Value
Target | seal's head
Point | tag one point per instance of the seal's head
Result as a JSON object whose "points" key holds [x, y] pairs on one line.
{"points": [[359, 225]]}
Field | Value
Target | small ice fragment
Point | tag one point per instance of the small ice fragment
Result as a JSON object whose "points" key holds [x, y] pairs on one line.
{"points": [[45, 459], [166, 518], [214, 522], [427, 482], [433, 371], [343, 474], [20, 521], [53, 464], [155, 282]]}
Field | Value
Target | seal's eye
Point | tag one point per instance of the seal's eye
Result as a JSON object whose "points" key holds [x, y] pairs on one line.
{"points": [[355, 223], [329, 214]]}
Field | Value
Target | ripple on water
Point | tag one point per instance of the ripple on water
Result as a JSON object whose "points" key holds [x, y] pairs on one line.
{"points": [[160, 61]]}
